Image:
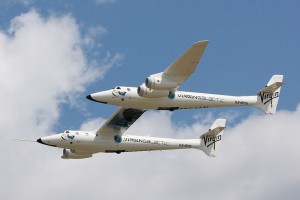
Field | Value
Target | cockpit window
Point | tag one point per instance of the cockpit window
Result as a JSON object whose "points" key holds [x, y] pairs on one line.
{"points": [[118, 88], [67, 131], [70, 136]]}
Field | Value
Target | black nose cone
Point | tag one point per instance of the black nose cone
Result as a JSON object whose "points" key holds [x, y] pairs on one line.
{"points": [[89, 97], [40, 141]]}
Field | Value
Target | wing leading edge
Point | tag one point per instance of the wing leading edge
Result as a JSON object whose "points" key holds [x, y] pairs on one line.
{"points": [[120, 121]]}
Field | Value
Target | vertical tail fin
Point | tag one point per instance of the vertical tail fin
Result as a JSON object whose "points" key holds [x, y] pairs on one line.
{"points": [[268, 97], [210, 141]]}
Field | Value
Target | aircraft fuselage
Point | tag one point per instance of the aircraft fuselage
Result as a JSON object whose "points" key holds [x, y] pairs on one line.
{"points": [[128, 97], [90, 142]]}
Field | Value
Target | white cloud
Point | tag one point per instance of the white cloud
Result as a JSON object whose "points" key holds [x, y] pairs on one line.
{"points": [[92, 32], [92, 124], [42, 65]]}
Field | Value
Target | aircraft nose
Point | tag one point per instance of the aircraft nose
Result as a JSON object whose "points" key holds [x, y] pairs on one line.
{"points": [[97, 97], [40, 141], [89, 97]]}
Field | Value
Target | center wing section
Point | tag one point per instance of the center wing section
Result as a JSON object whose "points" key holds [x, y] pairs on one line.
{"points": [[120, 121]]}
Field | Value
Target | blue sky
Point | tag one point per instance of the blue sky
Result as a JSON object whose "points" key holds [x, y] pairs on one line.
{"points": [[89, 46]]}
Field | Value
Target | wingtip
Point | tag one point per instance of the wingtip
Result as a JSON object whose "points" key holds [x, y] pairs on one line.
{"points": [[202, 42]]}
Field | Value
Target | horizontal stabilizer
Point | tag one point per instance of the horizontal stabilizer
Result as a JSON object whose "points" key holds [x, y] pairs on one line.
{"points": [[271, 88], [213, 132]]}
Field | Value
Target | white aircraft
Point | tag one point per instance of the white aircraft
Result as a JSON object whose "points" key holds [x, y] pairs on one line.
{"points": [[160, 91], [109, 138]]}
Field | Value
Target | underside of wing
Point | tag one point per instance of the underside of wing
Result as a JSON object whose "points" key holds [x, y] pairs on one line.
{"points": [[186, 64], [120, 121]]}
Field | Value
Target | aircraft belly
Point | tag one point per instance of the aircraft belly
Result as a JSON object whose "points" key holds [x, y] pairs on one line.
{"points": [[161, 103], [93, 145], [140, 103], [134, 143], [152, 144], [189, 101]]}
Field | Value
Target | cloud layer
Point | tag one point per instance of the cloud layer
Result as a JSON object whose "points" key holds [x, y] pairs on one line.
{"points": [[259, 159], [40, 62], [42, 66]]}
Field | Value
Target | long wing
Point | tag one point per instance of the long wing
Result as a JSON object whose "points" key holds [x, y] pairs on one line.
{"points": [[186, 64], [120, 121]]}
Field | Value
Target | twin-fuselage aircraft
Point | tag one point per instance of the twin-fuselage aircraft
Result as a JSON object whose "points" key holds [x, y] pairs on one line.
{"points": [[159, 92]]}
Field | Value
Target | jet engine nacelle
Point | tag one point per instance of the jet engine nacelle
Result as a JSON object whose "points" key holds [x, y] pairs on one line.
{"points": [[158, 82], [143, 91], [72, 154]]}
